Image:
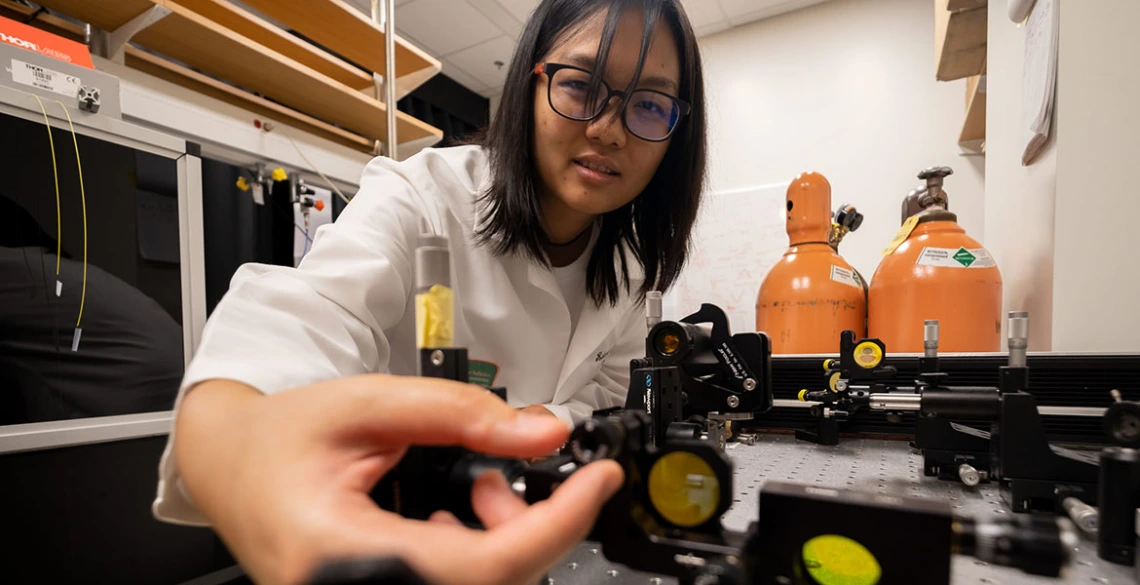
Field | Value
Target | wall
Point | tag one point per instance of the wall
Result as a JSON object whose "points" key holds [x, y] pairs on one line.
{"points": [[494, 104], [847, 89], [1096, 281], [1019, 200]]}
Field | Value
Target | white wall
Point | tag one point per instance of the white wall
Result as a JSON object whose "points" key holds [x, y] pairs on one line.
{"points": [[847, 89], [494, 105], [1019, 201], [1096, 278]]}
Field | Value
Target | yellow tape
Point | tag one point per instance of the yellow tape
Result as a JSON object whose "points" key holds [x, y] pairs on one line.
{"points": [[435, 317]]}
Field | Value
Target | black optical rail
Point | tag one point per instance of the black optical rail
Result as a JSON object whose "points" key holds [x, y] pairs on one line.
{"points": [[1055, 380]]}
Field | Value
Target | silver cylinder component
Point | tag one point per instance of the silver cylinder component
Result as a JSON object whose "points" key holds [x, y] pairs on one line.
{"points": [[653, 311], [519, 487], [1083, 515], [969, 475], [930, 337], [433, 262], [896, 402], [1018, 338], [390, 77]]}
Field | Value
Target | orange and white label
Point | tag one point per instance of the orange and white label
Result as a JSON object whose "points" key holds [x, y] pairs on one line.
{"points": [[42, 42]]}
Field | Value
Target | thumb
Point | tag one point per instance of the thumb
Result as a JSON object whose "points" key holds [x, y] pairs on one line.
{"points": [[429, 411]]}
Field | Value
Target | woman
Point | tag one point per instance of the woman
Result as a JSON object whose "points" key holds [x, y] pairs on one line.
{"points": [[578, 202]]}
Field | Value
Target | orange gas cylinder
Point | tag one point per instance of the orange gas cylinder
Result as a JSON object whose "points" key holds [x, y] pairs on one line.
{"points": [[812, 294], [933, 270]]}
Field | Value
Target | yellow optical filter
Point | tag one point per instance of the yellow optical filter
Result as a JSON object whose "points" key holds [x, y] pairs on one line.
{"points": [[831, 559], [868, 355], [435, 318], [684, 489]]}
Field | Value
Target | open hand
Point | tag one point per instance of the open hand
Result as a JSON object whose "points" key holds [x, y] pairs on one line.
{"points": [[285, 478]]}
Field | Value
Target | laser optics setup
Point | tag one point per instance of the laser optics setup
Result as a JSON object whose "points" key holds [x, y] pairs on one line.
{"points": [[674, 440]]}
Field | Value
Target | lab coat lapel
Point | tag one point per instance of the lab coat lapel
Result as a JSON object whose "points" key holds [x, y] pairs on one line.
{"points": [[594, 325]]}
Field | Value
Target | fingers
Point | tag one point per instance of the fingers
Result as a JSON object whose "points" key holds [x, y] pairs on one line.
{"points": [[522, 544], [405, 410], [493, 500], [444, 517], [546, 531], [537, 409]]}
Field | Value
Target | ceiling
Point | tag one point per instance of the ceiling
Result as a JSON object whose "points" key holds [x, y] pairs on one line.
{"points": [[472, 37]]}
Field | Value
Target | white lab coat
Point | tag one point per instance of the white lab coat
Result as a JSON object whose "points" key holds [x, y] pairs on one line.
{"points": [[349, 307]]}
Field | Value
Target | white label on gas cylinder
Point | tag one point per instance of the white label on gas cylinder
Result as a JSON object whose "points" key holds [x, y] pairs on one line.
{"points": [[44, 78], [956, 258], [845, 276]]}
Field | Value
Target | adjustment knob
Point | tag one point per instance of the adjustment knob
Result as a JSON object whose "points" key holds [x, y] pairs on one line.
{"points": [[935, 172]]}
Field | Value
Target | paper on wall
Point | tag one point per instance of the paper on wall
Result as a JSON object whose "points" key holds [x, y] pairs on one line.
{"points": [[1039, 76], [738, 237]]}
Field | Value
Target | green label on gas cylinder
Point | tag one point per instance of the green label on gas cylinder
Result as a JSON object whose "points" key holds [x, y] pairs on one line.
{"points": [[964, 257], [956, 258]]}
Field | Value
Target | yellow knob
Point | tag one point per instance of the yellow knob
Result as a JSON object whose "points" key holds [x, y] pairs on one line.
{"points": [[803, 395], [834, 382], [242, 184], [279, 174], [828, 364]]}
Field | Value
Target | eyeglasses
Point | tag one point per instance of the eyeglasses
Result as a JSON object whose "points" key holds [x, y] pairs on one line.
{"points": [[647, 114]]}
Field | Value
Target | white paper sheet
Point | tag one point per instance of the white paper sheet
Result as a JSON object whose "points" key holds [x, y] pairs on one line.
{"points": [[1039, 76]]}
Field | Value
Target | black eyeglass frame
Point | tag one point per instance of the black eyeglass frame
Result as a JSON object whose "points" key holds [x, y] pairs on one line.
{"points": [[551, 68]]}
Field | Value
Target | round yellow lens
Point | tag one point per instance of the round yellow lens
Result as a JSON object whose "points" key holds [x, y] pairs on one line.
{"points": [[684, 489], [868, 355], [837, 560], [668, 343]]}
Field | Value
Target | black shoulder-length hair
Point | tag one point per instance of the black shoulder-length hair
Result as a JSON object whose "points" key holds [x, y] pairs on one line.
{"points": [[655, 227]]}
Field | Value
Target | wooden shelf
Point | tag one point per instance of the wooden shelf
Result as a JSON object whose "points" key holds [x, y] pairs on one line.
{"points": [[194, 81], [197, 41], [973, 136], [272, 37], [959, 5], [205, 85], [349, 33], [960, 39]]}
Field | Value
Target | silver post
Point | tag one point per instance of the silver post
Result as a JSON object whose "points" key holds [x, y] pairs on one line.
{"points": [[895, 402], [390, 76], [1018, 338], [652, 308], [930, 337], [1083, 515], [378, 18]]}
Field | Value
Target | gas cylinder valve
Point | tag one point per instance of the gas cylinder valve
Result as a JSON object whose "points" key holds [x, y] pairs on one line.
{"points": [[934, 195], [847, 219]]}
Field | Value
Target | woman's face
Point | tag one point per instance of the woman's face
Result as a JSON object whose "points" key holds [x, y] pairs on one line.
{"points": [[564, 147]]}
